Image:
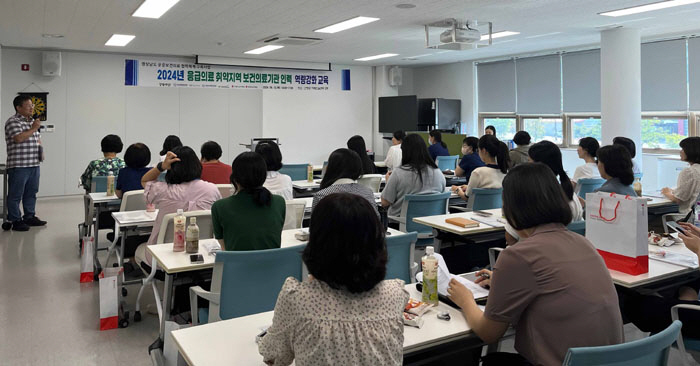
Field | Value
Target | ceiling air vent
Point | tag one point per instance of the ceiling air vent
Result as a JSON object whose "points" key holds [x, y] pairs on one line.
{"points": [[290, 40]]}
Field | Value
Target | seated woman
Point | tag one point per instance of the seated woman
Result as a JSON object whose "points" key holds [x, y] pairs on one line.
{"points": [[276, 182], [357, 144], [182, 189], [136, 157], [344, 313], [437, 146], [169, 144], [495, 154], [615, 166], [519, 155], [687, 189], [552, 286], [631, 147], [393, 156], [111, 146], [213, 170], [490, 130], [587, 150], [470, 158], [344, 167], [418, 174], [252, 218], [548, 153]]}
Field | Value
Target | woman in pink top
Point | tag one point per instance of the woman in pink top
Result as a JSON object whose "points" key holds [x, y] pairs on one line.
{"points": [[182, 189]]}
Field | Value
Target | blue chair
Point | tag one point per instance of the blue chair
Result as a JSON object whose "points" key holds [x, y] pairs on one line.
{"points": [[447, 162], [246, 282], [649, 351], [691, 345], [295, 171], [485, 199], [588, 185], [99, 184], [579, 227], [418, 205], [400, 254]]}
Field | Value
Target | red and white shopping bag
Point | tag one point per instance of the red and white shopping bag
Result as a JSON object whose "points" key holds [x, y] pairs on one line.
{"points": [[617, 226], [87, 260], [110, 285]]}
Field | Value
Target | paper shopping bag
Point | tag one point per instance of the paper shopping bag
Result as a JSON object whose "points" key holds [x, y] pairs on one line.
{"points": [[617, 226], [86, 259], [109, 297]]}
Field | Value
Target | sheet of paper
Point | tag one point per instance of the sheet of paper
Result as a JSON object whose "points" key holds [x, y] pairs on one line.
{"points": [[444, 277], [492, 220], [674, 258]]}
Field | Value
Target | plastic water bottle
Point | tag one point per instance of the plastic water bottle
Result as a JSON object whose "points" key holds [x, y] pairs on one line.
{"points": [[110, 184], [430, 281], [179, 232], [192, 237]]}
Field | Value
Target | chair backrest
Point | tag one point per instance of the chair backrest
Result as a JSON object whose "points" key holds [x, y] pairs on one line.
{"points": [[447, 162], [99, 184], [649, 351], [226, 190], [400, 256], [418, 205], [295, 171], [251, 280], [372, 181], [323, 169], [485, 199], [294, 215], [579, 227], [133, 200], [639, 175], [588, 185], [167, 228]]}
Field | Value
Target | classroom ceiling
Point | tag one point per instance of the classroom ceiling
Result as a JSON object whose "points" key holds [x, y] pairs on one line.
{"points": [[230, 27]]}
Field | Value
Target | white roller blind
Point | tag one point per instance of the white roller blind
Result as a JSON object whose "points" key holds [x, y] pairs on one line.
{"points": [[581, 79], [496, 83], [539, 85], [664, 85], [694, 72]]}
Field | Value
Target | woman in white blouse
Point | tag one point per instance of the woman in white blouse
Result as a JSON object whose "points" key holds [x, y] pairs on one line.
{"points": [[277, 183], [345, 313], [688, 186], [495, 155], [587, 149]]}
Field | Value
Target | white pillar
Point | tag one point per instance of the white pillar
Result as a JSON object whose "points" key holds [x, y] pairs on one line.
{"points": [[381, 89], [620, 86]]}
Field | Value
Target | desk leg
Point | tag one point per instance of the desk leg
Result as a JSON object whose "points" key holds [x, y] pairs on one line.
{"points": [[436, 242], [167, 302], [98, 267], [4, 196]]}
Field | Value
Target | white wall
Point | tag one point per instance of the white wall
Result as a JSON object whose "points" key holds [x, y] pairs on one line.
{"points": [[89, 100], [449, 81]]}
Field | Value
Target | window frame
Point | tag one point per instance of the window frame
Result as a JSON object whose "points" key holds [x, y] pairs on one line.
{"points": [[569, 128], [523, 117], [483, 116], [692, 128]]}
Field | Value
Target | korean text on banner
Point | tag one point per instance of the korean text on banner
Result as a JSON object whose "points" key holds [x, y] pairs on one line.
{"points": [[617, 226]]}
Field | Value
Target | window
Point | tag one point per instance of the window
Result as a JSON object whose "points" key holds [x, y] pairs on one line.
{"points": [[506, 127], [584, 127], [544, 128], [664, 132]]}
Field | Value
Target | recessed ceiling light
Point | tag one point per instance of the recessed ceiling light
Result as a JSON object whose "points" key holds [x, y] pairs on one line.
{"points": [[648, 7], [376, 57], [263, 49], [502, 34], [346, 24], [405, 6], [154, 8], [119, 40], [50, 35]]}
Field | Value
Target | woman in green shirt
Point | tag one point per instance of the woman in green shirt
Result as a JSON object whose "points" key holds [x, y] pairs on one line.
{"points": [[252, 218]]}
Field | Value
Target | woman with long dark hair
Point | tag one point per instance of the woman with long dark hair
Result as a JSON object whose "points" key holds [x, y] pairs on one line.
{"points": [[437, 146], [549, 154], [494, 154], [344, 167], [252, 218], [357, 144], [417, 174]]}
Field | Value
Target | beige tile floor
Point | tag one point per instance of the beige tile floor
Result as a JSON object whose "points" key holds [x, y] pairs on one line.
{"points": [[48, 318]]}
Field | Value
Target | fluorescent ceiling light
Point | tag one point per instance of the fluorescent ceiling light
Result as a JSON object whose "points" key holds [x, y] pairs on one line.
{"points": [[502, 34], [648, 7], [154, 8], [376, 57], [347, 24], [263, 49], [119, 40]]}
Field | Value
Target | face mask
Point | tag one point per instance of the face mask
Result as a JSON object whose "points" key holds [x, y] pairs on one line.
{"points": [[464, 151]]}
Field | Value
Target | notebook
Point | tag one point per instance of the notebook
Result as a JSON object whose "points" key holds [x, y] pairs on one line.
{"points": [[462, 222]]}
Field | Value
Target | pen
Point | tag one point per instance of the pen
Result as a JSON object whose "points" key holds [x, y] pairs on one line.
{"points": [[485, 275]]}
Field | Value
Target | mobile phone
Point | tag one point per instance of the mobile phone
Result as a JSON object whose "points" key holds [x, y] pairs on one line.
{"points": [[483, 213], [196, 259], [674, 225]]}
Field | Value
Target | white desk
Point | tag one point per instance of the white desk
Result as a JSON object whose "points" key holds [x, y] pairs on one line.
{"points": [[658, 270], [438, 222], [124, 221], [380, 164], [212, 344], [99, 201]]}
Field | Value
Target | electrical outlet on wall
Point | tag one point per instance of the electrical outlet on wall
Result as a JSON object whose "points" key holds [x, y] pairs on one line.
{"points": [[49, 128]]}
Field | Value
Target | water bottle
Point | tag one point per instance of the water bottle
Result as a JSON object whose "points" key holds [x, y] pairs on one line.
{"points": [[430, 281], [310, 173], [110, 184], [179, 232], [192, 237]]}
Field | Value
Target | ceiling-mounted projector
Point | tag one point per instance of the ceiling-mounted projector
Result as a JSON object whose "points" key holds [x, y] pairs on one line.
{"points": [[460, 35]]}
